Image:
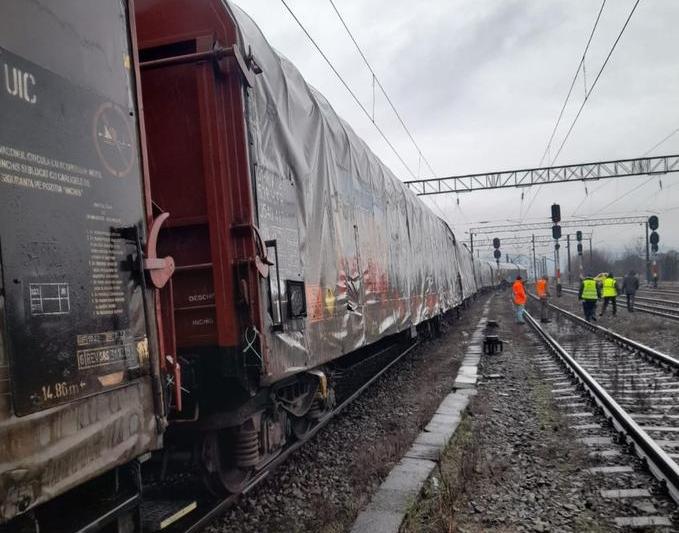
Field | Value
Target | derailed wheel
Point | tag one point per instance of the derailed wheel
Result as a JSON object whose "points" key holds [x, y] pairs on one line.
{"points": [[228, 460]]}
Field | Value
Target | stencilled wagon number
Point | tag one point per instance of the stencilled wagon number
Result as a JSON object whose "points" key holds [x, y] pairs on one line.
{"points": [[60, 390]]}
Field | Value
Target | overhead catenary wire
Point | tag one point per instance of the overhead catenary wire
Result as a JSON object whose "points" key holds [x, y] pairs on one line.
{"points": [[575, 77], [346, 86], [596, 79], [661, 142], [656, 145], [377, 81], [565, 102], [625, 194]]}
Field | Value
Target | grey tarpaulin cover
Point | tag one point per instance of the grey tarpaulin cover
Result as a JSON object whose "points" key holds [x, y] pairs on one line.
{"points": [[373, 257]]}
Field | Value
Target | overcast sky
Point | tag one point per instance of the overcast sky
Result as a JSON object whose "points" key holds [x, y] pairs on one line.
{"points": [[480, 84]]}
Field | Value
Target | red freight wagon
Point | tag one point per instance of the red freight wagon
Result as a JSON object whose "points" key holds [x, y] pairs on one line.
{"points": [[300, 261], [294, 245]]}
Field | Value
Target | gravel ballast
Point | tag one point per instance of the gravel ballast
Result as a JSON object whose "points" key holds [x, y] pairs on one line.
{"points": [[323, 486], [516, 462], [651, 330]]}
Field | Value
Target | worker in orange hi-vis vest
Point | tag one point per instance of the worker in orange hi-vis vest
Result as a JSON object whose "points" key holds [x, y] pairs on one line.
{"points": [[542, 290], [519, 292]]}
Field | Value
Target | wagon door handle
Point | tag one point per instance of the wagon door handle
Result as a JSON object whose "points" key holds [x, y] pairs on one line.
{"points": [[160, 269], [277, 324]]}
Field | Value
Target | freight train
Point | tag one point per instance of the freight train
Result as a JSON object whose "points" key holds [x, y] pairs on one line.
{"points": [[191, 242]]}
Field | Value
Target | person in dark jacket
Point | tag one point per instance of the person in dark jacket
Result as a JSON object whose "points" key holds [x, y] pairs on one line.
{"points": [[630, 285]]}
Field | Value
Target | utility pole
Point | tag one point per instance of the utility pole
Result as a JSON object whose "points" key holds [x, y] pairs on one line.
{"points": [[591, 259], [568, 248], [471, 242], [535, 266]]}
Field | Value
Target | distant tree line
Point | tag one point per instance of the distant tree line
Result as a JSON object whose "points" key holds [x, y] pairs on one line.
{"points": [[633, 258]]}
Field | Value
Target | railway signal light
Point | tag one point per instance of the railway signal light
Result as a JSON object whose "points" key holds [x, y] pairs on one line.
{"points": [[496, 243], [556, 213], [557, 246], [655, 238], [654, 248], [497, 254], [578, 237], [579, 249], [556, 231], [653, 222]]}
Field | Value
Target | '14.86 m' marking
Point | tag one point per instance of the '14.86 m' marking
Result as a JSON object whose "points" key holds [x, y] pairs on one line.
{"points": [[61, 390]]}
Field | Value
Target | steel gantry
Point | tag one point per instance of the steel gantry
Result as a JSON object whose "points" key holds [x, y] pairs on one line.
{"points": [[575, 223], [663, 164], [523, 239]]}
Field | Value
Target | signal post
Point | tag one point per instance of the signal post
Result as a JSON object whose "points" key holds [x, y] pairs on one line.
{"points": [[556, 234]]}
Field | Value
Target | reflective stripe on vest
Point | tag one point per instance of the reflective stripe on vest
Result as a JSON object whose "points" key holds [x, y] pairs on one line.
{"points": [[589, 290], [609, 288]]}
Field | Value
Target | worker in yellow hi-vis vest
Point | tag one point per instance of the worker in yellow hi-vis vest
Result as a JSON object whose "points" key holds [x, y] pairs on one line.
{"points": [[610, 293], [589, 294]]}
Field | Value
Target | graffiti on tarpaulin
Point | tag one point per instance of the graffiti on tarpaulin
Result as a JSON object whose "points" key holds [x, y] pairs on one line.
{"points": [[376, 279]]}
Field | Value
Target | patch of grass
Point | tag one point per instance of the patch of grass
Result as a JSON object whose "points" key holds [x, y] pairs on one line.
{"points": [[377, 460], [442, 494]]}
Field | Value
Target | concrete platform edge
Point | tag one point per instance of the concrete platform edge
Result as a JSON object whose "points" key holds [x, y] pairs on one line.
{"points": [[401, 488]]}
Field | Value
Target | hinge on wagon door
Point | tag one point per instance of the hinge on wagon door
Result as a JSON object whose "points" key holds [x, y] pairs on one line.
{"points": [[247, 65]]}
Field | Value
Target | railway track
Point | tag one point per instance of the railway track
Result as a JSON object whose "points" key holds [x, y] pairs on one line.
{"points": [[654, 306], [207, 508], [663, 293], [635, 386]]}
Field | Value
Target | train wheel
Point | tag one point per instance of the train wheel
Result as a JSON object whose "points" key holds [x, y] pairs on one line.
{"points": [[301, 426], [231, 481], [228, 463]]}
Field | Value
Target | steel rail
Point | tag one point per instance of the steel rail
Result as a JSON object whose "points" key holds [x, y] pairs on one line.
{"points": [[658, 462], [644, 308], [214, 510], [664, 292], [661, 301], [647, 295], [662, 308], [611, 335]]}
